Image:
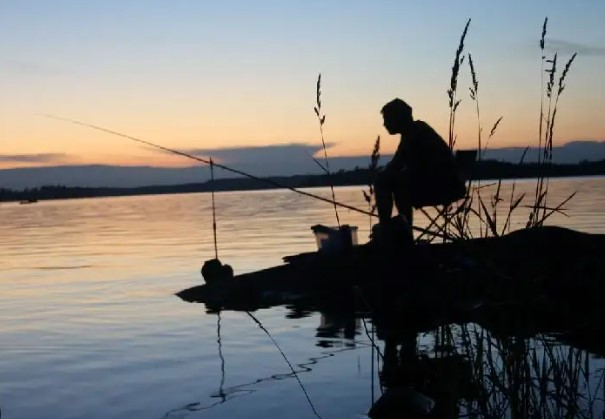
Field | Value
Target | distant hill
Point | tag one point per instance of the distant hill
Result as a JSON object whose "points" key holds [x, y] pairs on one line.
{"points": [[99, 176], [485, 169], [294, 163], [570, 153]]}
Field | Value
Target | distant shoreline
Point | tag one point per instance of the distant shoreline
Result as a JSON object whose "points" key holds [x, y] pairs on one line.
{"points": [[484, 170]]}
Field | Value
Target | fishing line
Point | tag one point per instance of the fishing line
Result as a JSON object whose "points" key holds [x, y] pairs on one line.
{"points": [[287, 361], [372, 369], [213, 209], [221, 391]]}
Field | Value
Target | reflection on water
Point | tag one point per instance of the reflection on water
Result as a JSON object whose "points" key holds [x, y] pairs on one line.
{"points": [[91, 328], [478, 373], [343, 326], [454, 370], [469, 370]]}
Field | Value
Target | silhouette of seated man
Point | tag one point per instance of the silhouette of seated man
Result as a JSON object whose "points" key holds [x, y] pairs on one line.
{"points": [[423, 171]]}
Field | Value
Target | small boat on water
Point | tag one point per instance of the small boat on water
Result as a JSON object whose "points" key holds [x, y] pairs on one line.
{"points": [[28, 201]]}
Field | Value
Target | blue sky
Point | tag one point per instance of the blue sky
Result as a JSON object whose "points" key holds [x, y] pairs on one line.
{"points": [[208, 74]]}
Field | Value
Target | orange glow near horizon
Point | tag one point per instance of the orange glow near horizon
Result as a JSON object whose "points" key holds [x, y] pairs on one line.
{"points": [[82, 145], [237, 119]]}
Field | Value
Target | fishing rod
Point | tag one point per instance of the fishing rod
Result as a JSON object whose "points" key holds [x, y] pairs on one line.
{"points": [[213, 209], [209, 162], [227, 168]]}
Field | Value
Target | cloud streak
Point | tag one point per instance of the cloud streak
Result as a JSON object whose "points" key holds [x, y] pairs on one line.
{"points": [[30, 68], [259, 154], [567, 47], [268, 160], [33, 158]]}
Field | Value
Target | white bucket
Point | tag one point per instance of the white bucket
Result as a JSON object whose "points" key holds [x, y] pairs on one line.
{"points": [[332, 239]]}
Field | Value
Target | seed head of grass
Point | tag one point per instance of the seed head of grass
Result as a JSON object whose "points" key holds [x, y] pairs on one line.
{"points": [[495, 127], [551, 75], [543, 33], [475, 88], [458, 60], [564, 74]]}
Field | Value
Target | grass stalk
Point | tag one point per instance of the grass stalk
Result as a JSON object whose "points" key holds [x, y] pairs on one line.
{"points": [[474, 94], [321, 118], [453, 101], [452, 91], [369, 196]]}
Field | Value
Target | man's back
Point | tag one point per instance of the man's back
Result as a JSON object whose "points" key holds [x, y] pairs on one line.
{"points": [[427, 153]]}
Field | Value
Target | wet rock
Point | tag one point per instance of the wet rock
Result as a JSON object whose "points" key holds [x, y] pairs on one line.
{"points": [[401, 402], [213, 271]]}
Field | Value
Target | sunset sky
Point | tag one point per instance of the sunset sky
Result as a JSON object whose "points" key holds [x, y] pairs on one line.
{"points": [[196, 74]]}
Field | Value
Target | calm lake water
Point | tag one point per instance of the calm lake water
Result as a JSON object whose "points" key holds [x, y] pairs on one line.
{"points": [[90, 326]]}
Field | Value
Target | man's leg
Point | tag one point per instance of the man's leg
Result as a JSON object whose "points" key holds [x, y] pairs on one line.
{"points": [[403, 196], [383, 189]]}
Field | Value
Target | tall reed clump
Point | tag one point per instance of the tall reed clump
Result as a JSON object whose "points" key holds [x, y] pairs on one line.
{"points": [[321, 118], [454, 102], [540, 211], [487, 214], [461, 217], [455, 221], [442, 221], [487, 222], [369, 196]]}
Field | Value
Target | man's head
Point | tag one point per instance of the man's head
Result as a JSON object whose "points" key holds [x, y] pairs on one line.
{"points": [[397, 116]]}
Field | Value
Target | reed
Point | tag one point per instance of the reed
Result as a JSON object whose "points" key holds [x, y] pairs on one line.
{"points": [[540, 211], [321, 118], [461, 222], [454, 102], [456, 216], [474, 94], [369, 196]]}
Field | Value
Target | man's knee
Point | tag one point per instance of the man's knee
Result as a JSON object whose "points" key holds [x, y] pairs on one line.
{"points": [[389, 180], [382, 182], [382, 178]]}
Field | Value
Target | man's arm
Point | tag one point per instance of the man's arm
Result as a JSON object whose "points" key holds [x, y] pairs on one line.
{"points": [[398, 162]]}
